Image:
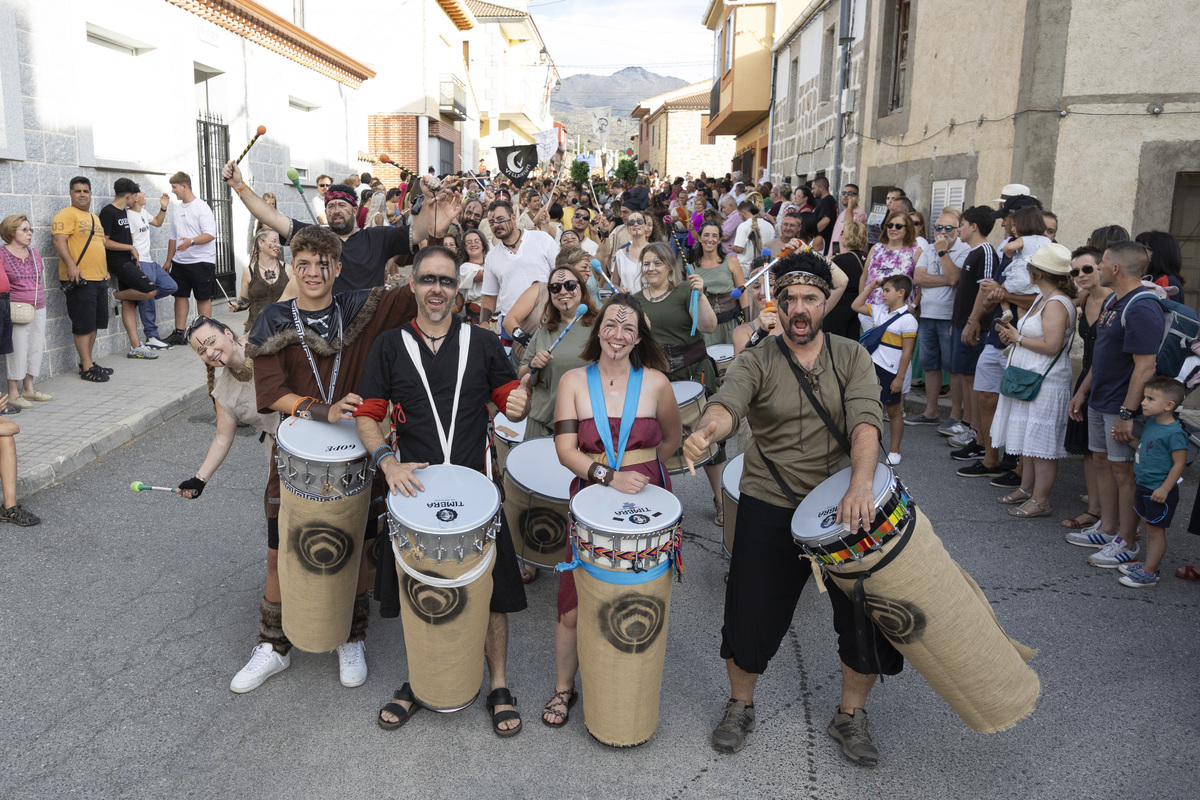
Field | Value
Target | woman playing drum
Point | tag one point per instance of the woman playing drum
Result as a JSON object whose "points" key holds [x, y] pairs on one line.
{"points": [[644, 427]]}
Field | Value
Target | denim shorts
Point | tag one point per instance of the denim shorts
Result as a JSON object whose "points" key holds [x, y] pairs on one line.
{"points": [[963, 358], [935, 336]]}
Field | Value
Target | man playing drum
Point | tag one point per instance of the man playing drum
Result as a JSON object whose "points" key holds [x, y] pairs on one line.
{"points": [[314, 377], [415, 390], [794, 452]]}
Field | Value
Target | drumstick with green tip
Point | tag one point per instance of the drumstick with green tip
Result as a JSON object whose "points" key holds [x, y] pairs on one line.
{"points": [[579, 312], [138, 486]]}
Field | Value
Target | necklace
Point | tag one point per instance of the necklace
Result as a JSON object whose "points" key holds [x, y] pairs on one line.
{"points": [[433, 340], [270, 275], [515, 245], [659, 297]]}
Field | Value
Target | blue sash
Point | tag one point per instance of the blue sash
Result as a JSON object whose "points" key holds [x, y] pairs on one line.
{"points": [[596, 394]]}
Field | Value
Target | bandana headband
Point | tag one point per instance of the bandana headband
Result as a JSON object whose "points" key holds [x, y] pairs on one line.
{"points": [[807, 278], [346, 197]]}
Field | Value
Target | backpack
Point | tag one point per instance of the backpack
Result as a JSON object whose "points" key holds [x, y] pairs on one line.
{"points": [[874, 337], [1182, 326]]}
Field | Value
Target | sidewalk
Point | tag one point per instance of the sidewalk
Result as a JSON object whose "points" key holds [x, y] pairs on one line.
{"points": [[86, 420]]}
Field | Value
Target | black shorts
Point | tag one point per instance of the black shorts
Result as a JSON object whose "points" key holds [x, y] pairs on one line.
{"points": [[6, 326], [766, 576], [130, 276], [194, 280], [87, 306], [1157, 514]]}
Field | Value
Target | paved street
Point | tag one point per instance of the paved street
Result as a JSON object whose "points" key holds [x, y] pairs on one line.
{"points": [[125, 616]]}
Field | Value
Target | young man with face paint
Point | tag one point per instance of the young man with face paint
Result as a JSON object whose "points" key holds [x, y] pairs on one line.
{"points": [[319, 375], [765, 576], [422, 412], [365, 252]]}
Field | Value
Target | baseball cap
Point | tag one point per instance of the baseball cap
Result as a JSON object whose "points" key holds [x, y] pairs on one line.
{"points": [[1014, 203]]}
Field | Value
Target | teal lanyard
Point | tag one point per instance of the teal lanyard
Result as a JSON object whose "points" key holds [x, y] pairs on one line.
{"points": [[600, 412]]}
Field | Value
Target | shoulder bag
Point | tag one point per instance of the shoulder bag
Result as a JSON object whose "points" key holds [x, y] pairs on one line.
{"points": [[1024, 384]]}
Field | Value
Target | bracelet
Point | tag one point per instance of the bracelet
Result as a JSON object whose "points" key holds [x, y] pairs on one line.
{"points": [[375, 452], [239, 189]]}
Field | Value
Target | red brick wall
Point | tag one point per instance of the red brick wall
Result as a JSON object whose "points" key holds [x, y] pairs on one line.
{"points": [[396, 135]]}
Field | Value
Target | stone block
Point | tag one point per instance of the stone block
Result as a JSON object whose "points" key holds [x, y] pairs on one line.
{"points": [[143, 420], [28, 81], [33, 117], [24, 178], [35, 149], [15, 204], [61, 149], [74, 459], [48, 179], [44, 206], [108, 439], [33, 479], [24, 48], [182, 401]]}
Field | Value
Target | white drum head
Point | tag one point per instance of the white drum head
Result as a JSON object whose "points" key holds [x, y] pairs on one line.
{"points": [[816, 516], [731, 477], [313, 440], [606, 510], [509, 431], [534, 465], [721, 352], [687, 392], [455, 500]]}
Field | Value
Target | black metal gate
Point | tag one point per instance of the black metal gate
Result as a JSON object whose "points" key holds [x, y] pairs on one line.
{"points": [[212, 143]]}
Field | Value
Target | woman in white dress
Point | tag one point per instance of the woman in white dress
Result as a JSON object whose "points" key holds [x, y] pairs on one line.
{"points": [[1040, 343]]}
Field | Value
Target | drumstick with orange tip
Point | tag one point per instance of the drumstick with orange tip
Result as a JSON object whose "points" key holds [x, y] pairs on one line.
{"points": [[138, 486], [579, 312], [261, 130]]}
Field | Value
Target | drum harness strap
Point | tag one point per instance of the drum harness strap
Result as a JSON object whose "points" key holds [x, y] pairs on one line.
{"points": [[859, 598], [327, 397], [464, 341]]}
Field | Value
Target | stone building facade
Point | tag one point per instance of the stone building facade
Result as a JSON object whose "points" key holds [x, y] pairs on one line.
{"points": [[672, 135]]}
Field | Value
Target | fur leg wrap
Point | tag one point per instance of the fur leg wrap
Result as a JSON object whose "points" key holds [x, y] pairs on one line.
{"points": [[362, 613], [270, 627]]}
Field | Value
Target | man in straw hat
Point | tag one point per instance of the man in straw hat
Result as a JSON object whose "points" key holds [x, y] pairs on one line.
{"points": [[795, 451]]}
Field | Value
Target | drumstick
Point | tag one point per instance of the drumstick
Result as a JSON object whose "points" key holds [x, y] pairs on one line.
{"points": [[596, 268], [261, 130], [579, 312], [694, 300], [294, 177], [138, 486]]}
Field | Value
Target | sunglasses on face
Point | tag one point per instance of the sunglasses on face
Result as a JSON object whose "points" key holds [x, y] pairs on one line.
{"points": [[324, 185], [446, 281], [944, 228], [1086, 270], [570, 286], [849, 194], [895, 226], [581, 216]]}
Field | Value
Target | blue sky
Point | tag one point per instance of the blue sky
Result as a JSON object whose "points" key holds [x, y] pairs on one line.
{"points": [[603, 36]]}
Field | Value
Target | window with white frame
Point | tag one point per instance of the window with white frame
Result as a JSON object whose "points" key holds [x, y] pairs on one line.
{"points": [[114, 136], [946, 193]]}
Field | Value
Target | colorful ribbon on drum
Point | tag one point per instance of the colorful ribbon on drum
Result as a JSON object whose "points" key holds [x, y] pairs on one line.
{"points": [[672, 548], [884, 530]]}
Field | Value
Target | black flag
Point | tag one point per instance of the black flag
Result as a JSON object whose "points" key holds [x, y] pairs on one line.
{"points": [[518, 161]]}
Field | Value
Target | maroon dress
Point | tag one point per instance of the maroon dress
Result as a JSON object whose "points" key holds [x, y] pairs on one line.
{"points": [[644, 433]]}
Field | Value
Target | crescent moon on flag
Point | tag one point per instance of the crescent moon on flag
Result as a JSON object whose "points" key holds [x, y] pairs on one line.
{"points": [[513, 166]]}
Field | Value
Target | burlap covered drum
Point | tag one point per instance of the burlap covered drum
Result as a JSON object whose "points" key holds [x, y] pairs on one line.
{"points": [[536, 493], [689, 395], [731, 493], [444, 544], [939, 619], [326, 476], [625, 545]]}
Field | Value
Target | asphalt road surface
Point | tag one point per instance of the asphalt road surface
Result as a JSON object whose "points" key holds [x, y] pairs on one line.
{"points": [[125, 616]]}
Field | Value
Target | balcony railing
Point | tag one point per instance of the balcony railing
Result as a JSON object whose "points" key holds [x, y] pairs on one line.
{"points": [[452, 97], [714, 100]]}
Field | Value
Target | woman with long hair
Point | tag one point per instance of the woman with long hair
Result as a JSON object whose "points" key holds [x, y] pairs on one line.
{"points": [[376, 216], [470, 273], [627, 264], [1166, 261], [722, 273], [840, 319], [264, 279], [1036, 428], [623, 357]]}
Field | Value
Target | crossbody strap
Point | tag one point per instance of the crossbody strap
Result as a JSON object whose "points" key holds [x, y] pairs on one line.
{"points": [[838, 434], [82, 252]]}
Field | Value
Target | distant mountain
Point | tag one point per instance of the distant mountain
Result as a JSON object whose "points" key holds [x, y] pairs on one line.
{"points": [[622, 90]]}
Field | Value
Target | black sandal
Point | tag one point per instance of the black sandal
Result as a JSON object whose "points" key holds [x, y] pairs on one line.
{"points": [[97, 368], [566, 698], [502, 697], [403, 715], [93, 375]]}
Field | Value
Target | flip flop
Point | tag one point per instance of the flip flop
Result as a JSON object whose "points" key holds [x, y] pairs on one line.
{"points": [[502, 697], [1188, 573], [1074, 522], [403, 715]]}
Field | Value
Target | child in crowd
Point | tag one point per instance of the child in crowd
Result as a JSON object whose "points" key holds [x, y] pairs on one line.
{"points": [[891, 343], [1159, 463], [1029, 228]]}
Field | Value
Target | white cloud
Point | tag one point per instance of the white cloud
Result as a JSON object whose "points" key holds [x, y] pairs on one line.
{"points": [[600, 38]]}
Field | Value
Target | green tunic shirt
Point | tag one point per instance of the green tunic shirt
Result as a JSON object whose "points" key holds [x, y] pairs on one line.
{"points": [[543, 394]]}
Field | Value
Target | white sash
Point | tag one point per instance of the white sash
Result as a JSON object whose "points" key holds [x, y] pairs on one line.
{"points": [[464, 341]]}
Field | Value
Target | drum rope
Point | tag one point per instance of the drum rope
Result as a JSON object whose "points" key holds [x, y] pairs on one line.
{"points": [[672, 548], [444, 583]]}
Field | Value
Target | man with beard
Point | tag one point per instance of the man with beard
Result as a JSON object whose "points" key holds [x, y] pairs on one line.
{"points": [[365, 252], [795, 452], [417, 368], [517, 261]]}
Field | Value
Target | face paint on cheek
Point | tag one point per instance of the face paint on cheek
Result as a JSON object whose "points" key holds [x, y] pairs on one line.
{"points": [[325, 267], [785, 304]]}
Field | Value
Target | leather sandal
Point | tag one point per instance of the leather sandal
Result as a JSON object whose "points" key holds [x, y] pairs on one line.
{"points": [[1009, 500], [564, 699], [1019, 511], [502, 697], [1078, 523], [403, 715], [1188, 573]]}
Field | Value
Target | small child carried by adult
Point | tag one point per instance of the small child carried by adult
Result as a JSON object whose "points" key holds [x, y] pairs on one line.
{"points": [[891, 343]]}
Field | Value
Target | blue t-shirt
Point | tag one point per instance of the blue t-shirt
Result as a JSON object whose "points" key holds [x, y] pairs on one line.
{"points": [[1112, 359], [1153, 461]]}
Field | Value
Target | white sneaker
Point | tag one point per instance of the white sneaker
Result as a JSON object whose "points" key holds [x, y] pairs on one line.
{"points": [[157, 343], [264, 662], [142, 352], [893, 459], [1091, 536], [352, 664], [1114, 554], [961, 439]]}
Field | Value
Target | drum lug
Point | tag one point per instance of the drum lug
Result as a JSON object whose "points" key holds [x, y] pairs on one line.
{"points": [[439, 554]]}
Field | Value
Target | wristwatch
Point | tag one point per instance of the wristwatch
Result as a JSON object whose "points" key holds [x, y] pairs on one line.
{"points": [[942, 253], [600, 474], [1125, 413]]}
